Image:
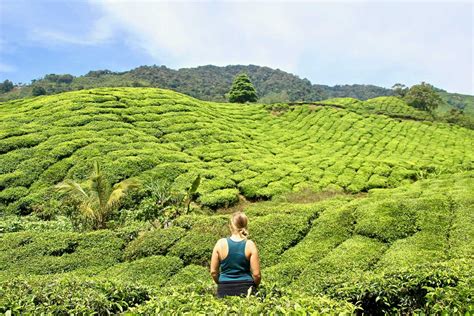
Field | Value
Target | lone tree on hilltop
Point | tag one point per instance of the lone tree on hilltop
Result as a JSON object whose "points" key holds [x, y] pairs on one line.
{"points": [[399, 90], [242, 90], [6, 86], [424, 97]]}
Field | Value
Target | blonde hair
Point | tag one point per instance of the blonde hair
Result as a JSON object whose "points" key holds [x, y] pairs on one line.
{"points": [[238, 224]]}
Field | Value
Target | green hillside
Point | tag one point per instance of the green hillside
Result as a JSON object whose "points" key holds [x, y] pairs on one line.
{"points": [[212, 83], [353, 204]]}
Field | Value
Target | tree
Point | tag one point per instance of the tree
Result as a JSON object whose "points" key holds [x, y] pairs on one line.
{"points": [[96, 202], [38, 90], [242, 90], [423, 96], [6, 86], [399, 90]]}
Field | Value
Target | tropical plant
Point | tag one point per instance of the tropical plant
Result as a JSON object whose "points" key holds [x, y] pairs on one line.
{"points": [[163, 205], [242, 90], [97, 201]]}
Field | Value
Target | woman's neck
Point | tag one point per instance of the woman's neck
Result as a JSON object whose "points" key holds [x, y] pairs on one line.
{"points": [[236, 236]]}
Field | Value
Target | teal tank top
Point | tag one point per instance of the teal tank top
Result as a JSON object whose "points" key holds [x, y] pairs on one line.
{"points": [[235, 267]]}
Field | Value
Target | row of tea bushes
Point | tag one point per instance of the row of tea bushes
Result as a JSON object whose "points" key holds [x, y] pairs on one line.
{"points": [[237, 149]]}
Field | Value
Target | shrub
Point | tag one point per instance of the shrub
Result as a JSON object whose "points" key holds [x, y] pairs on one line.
{"points": [[269, 300], [437, 288], [275, 233], [387, 220], [329, 230], [153, 271], [350, 258], [55, 252], [219, 198], [68, 296], [195, 248], [152, 243], [193, 275]]}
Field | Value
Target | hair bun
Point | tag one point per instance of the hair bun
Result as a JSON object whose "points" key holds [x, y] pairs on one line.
{"points": [[244, 232]]}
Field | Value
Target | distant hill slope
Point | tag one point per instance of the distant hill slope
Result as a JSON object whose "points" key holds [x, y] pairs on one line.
{"points": [[252, 150], [212, 83]]}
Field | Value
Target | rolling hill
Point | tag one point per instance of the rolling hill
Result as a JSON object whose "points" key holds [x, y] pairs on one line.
{"points": [[212, 83], [353, 204]]}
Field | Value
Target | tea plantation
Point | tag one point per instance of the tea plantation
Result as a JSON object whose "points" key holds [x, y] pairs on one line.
{"points": [[355, 206]]}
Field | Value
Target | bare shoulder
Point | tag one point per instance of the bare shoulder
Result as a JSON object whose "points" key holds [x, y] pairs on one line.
{"points": [[220, 242], [251, 244]]}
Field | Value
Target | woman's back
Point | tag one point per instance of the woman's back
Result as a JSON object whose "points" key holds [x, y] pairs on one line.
{"points": [[235, 266]]}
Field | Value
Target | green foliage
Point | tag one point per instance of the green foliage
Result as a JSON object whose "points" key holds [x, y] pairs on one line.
{"points": [[439, 288], [56, 252], [163, 204], [369, 204], [242, 90], [68, 296], [386, 220], [152, 271], [153, 243], [173, 138], [37, 91], [423, 97], [198, 243], [194, 275], [220, 198], [273, 234], [269, 300], [6, 86], [353, 256], [14, 223], [96, 205], [212, 83], [399, 90]]}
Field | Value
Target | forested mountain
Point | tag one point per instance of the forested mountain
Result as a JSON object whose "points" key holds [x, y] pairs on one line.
{"points": [[204, 82], [212, 83]]}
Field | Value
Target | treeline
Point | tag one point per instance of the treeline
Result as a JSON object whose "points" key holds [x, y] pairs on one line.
{"points": [[212, 83], [209, 82]]}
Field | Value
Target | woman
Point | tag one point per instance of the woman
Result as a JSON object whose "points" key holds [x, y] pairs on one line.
{"points": [[235, 266]]}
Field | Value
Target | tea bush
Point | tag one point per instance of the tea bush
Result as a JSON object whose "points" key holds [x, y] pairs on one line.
{"points": [[56, 252], [152, 271], [342, 143], [153, 243], [68, 296]]}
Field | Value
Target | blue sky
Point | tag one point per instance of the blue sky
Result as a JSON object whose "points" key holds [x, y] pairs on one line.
{"points": [[338, 42]]}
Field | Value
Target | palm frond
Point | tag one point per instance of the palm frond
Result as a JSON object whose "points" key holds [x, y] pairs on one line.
{"points": [[72, 189], [120, 189], [87, 211], [100, 185]]}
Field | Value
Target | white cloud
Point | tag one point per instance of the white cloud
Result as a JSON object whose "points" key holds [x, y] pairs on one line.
{"points": [[360, 41], [100, 32]]}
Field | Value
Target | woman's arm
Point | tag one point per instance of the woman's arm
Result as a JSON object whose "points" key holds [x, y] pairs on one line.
{"points": [[255, 263], [215, 263]]}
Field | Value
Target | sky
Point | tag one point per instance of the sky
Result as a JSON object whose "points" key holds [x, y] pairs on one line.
{"points": [[331, 42]]}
